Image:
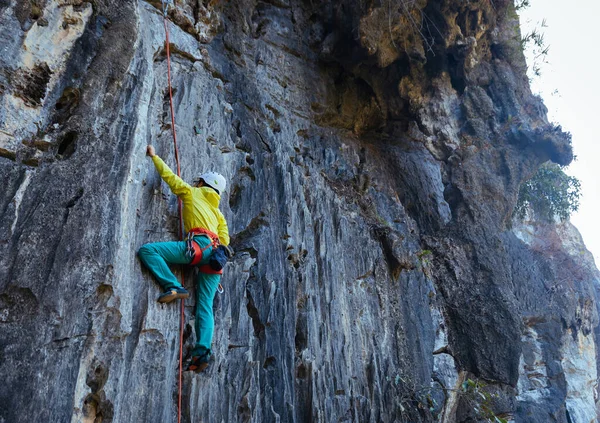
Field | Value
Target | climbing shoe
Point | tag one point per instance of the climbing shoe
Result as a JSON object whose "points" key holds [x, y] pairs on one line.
{"points": [[172, 294], [198, 363]]}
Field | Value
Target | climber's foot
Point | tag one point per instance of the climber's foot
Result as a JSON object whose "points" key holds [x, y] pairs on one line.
{"points": [[172, 294], [198, 364]]}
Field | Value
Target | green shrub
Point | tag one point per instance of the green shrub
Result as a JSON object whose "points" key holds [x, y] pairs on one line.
{"points": [[549, 193]]}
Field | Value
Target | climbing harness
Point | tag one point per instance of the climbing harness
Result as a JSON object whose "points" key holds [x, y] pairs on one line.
{"points": [[165, 7], [207, 269], [193, 251]]}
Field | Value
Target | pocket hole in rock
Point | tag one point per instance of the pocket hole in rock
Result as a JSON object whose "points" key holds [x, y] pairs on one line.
{"points": [[66, 147]]}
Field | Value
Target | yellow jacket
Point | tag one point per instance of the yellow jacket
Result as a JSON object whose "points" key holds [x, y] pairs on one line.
{"points": [[200, 205]]}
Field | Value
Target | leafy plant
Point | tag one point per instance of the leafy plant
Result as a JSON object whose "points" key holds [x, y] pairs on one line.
{"points": [[481, 400], [549, 193], [475, 393], [425, 257], [535, 42], [424, 253], [521, 4]]}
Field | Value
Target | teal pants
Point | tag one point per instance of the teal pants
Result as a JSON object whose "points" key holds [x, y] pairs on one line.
{"points": [[157, 257]]}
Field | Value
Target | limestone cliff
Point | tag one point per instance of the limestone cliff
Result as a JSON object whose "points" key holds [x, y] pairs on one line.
{"points": [[374, 151]]}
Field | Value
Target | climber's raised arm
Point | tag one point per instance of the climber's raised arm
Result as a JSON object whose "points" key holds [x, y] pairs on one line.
{"points": [[177, 185]]}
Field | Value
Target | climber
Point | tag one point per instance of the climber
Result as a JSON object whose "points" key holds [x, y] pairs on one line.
{"points": [[206, 245]]}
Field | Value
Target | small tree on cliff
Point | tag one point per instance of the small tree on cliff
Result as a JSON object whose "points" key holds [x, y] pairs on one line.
{"points": [[549, 193]]}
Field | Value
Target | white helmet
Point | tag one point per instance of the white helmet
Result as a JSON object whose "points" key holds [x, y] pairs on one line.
{"points": [[214, 180]]}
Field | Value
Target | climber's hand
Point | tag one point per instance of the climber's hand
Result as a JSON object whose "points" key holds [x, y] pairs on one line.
{"points": [[150, 151]]}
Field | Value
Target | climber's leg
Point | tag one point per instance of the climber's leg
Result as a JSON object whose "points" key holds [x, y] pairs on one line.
{"points": [[156, 257], [206, 287]]}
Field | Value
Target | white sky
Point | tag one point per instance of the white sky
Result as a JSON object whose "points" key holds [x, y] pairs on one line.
{"points": [[574, 71]]}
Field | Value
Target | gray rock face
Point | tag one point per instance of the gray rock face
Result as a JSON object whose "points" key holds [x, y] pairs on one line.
{"points": [[374, 153]]}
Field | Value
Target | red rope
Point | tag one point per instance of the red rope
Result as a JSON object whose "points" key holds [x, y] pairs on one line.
{"points": [[179, 207], [173, 123]]}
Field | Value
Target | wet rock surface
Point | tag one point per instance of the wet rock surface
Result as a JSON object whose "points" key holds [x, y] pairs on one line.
{"points": [[374, 153]]}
